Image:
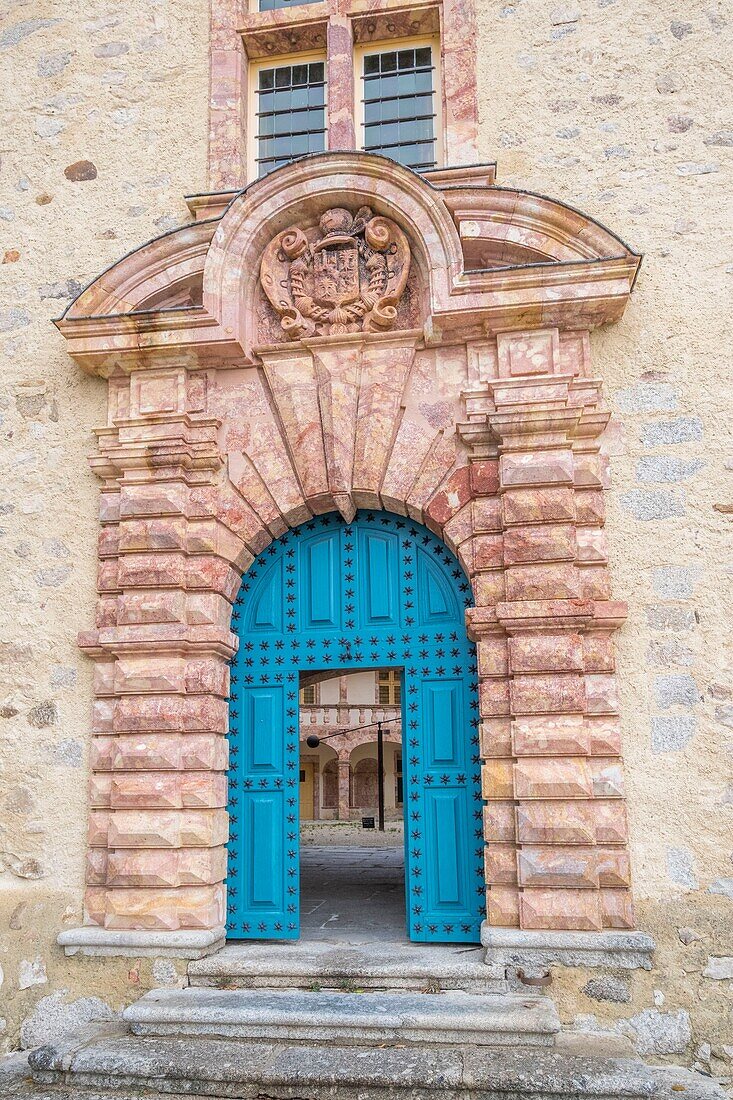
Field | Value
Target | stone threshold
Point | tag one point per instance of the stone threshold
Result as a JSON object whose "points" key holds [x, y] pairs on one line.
{"points": [[317, 964]]}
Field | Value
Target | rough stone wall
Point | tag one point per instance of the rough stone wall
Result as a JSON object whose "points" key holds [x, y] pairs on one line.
{"points": [[622, 110], [117, 93], [617, 108]]}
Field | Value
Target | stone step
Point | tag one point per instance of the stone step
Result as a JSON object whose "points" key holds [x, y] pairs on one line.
{"points": [[357, 1018], [410, 966], [123, 1067]]}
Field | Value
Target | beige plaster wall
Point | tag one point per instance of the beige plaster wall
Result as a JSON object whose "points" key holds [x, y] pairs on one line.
{"points": [[125, 88], [616, 108], [623, 110]]}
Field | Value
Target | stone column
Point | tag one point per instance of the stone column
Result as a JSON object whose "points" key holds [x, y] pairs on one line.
{"points": [[344, 790], [555, 820]]}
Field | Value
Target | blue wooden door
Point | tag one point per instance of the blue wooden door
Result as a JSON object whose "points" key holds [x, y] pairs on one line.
{"points": [[378, 592]]}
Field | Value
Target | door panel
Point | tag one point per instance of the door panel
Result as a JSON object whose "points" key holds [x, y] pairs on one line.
{"points": [[378, 592]]}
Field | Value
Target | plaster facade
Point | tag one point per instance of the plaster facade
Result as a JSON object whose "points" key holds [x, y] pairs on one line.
{"points": [[559, 111]]}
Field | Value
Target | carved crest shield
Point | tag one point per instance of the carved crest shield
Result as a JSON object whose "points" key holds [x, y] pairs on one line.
{"points": [[346, 275]]}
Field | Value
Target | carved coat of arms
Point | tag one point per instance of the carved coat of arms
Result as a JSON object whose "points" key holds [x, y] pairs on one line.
{"points": [[345, 275]]}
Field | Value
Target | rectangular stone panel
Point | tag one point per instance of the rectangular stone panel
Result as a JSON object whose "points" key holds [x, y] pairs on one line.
{"points": [[166, 752], [493, 698], [613, 867], [544, 652], [168, 790], [499, 825], [500, 864], [555, 581], [551, 467], [590, 508], [503, 906], [546, 778], [491, 651], [557, 693], [592, 545], [533, 506], [487, 515], [598, 653], [556, 822], [154, 868], [604, 732], [550, 735], [608, 778], [569, 866], [488, 552], [574, 910], [544, 542], [488, 588], [595, 581]]}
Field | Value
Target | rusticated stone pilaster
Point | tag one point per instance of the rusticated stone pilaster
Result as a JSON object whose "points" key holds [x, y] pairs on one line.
{"points": [[554, 821]]}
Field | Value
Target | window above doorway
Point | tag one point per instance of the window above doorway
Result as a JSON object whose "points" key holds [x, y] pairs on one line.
{"points": [[289, 107], [397, 102]]}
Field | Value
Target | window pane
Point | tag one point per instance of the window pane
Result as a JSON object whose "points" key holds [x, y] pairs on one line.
{"points": [[290, 114], [399, 107]]}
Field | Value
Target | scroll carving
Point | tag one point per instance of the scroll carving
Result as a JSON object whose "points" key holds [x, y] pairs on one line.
{"points": [[345, 275]]}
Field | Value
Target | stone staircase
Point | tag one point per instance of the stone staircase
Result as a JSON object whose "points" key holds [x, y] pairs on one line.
{"points": [[336, 1022]]}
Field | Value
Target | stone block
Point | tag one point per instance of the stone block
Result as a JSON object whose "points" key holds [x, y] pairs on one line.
{"points": [[598, 653], [551, 467], [500, 864], [556, 822], [527, 507], [570, 866], [487, 515], [166, 713], [557, 693], [488, 552], [149, 673], [168, 606], [492, 656], [174, 829], [675, 582], [168, 752], [160, 908], [647, 505], [550, 735], [646, 397], [484, 477], [610, 821], [552, 778], [590, 508], [608, 778], [155, 868], [590, 471], [665, 433], [493, 698], [546, 542], [497, 779], [499, 825], [503, 906], [658, 469], [672, 733], [601, 693], [168, 790], [604, 732], [592, 545], [675, 690], [148, 535], [488, 588], [496, 737], [556, 581], [554, 908], [536, 652], [672, 619], [613, 868], [145, 570], [595, 582]]}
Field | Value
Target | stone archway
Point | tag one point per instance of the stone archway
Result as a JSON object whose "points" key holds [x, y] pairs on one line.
{"points": [[475, 413]]}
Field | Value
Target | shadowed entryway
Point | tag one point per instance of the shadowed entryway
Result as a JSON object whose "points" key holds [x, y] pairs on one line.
{"points": [[352, 894]]}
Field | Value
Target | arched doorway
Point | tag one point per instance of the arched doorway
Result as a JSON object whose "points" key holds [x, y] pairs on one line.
{"points": [[379, 592]]}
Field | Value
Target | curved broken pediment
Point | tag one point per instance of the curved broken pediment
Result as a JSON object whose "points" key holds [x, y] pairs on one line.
{"points": [[340, 243]]}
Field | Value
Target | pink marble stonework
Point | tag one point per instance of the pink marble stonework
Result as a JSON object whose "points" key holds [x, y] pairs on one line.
{"points": [[474, 412]]}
